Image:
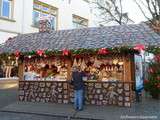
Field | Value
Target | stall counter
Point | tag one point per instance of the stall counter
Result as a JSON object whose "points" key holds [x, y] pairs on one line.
{"points": [[96, 92]]}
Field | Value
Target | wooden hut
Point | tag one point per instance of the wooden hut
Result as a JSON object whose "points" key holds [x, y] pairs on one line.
{"points": [[105, 54]]}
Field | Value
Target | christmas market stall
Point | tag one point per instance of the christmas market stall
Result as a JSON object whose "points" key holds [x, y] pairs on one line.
{"points": [[105, 55]]}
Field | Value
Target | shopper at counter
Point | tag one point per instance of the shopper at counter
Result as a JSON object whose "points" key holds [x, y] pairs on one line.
{"points": [[78, 85]]}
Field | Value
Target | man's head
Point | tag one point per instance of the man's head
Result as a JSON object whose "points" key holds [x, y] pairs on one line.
{"points": [[75, 68]]}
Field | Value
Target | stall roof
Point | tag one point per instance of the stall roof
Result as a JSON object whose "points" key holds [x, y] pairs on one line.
{"points": [[96, 37]]}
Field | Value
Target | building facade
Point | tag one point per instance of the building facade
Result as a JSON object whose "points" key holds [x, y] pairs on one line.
{"points": [[22, 16]]}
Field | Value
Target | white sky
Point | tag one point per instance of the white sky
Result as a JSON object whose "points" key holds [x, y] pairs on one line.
{"points": [[133, 11]]}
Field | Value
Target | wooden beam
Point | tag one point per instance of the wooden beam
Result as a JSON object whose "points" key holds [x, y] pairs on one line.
{"points": [[21, 70]]}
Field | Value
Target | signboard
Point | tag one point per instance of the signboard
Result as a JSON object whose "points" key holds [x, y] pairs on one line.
{"points": [[138, 72]]}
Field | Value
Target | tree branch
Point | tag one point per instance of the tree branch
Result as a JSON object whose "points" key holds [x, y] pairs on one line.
{"points": [[112, 12]]}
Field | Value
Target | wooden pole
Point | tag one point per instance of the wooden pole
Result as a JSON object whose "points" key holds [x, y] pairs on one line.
{"points": [[21, 70]]}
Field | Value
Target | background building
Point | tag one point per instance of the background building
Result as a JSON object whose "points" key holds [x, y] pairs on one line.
{"points": [[22, 16]]}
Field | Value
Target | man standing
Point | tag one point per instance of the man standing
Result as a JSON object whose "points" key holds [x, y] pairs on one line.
{"points": [[78, 85]]}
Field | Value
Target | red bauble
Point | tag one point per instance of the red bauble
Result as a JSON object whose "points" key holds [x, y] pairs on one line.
{"points": [[158, 77], [158, 85], [17, 53], [157, 58], [103, 51], [40, 52], [66, 52], [146, 81], [150, 70], [139, 47]]}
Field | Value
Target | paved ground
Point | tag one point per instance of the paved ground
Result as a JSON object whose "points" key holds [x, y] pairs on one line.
{"points": [[9, 96], [147, 109], [10, 109], [8, 93]]}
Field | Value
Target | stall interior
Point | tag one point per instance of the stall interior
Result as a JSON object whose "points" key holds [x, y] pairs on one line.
{"points": [[106, 69], [46, 69], [94, 68]]}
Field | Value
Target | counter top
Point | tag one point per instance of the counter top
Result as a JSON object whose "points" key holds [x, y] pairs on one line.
{"points": [[88, 81]]}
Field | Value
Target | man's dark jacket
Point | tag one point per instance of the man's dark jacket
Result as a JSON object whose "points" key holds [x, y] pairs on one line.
{"points": [[77, 80]]}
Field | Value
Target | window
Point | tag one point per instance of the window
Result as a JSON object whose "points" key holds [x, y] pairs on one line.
{"points": [[79, 22], [36, 16], [41, 11], [6, 8], [53, 22]]}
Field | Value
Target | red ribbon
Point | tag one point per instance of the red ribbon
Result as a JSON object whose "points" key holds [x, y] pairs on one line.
{"points": [[139, 47], [103, 51], [40, 52], [66, 52], [17, 53]]}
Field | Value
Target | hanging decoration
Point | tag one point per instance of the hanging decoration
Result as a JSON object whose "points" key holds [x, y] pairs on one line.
{"points": [[17, 54], [97, 63], [75, 63], [153, 49], [152, 85], [79, 62], [29, 56], [40, 52], [65, 52], [9, 57], [83, 65], [79, 53], [139, 47], [103, 51]]}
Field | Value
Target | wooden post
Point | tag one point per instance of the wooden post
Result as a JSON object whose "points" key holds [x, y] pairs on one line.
{"points": [[21, 70], [69, 63], [127, 69]]}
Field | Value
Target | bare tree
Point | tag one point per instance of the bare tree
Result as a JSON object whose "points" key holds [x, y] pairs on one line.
{"points": [[151, 11], [111, 11]]}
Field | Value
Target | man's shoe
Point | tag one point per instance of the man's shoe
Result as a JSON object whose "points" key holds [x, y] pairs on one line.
{"points": [[80, 109]]}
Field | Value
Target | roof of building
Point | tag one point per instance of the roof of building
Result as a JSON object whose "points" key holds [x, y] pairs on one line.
{"points": [[96, 37]]}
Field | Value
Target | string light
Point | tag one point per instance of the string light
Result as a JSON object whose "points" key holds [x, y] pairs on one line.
{"points": [[9, 57], [29, 56]]}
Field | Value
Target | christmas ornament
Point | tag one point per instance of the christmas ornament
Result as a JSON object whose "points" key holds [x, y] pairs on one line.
{"points": [[150, 70], [83, 65], [158, 77], [29, 56], [16, 61], [17, 54], [115, 61], [146, 81], [97, 63], [9, 57], [79, 62], [75, 63], [120, 63], [65, 52], [103, 51], [158, 85], [40, 52], [139, 47]]}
